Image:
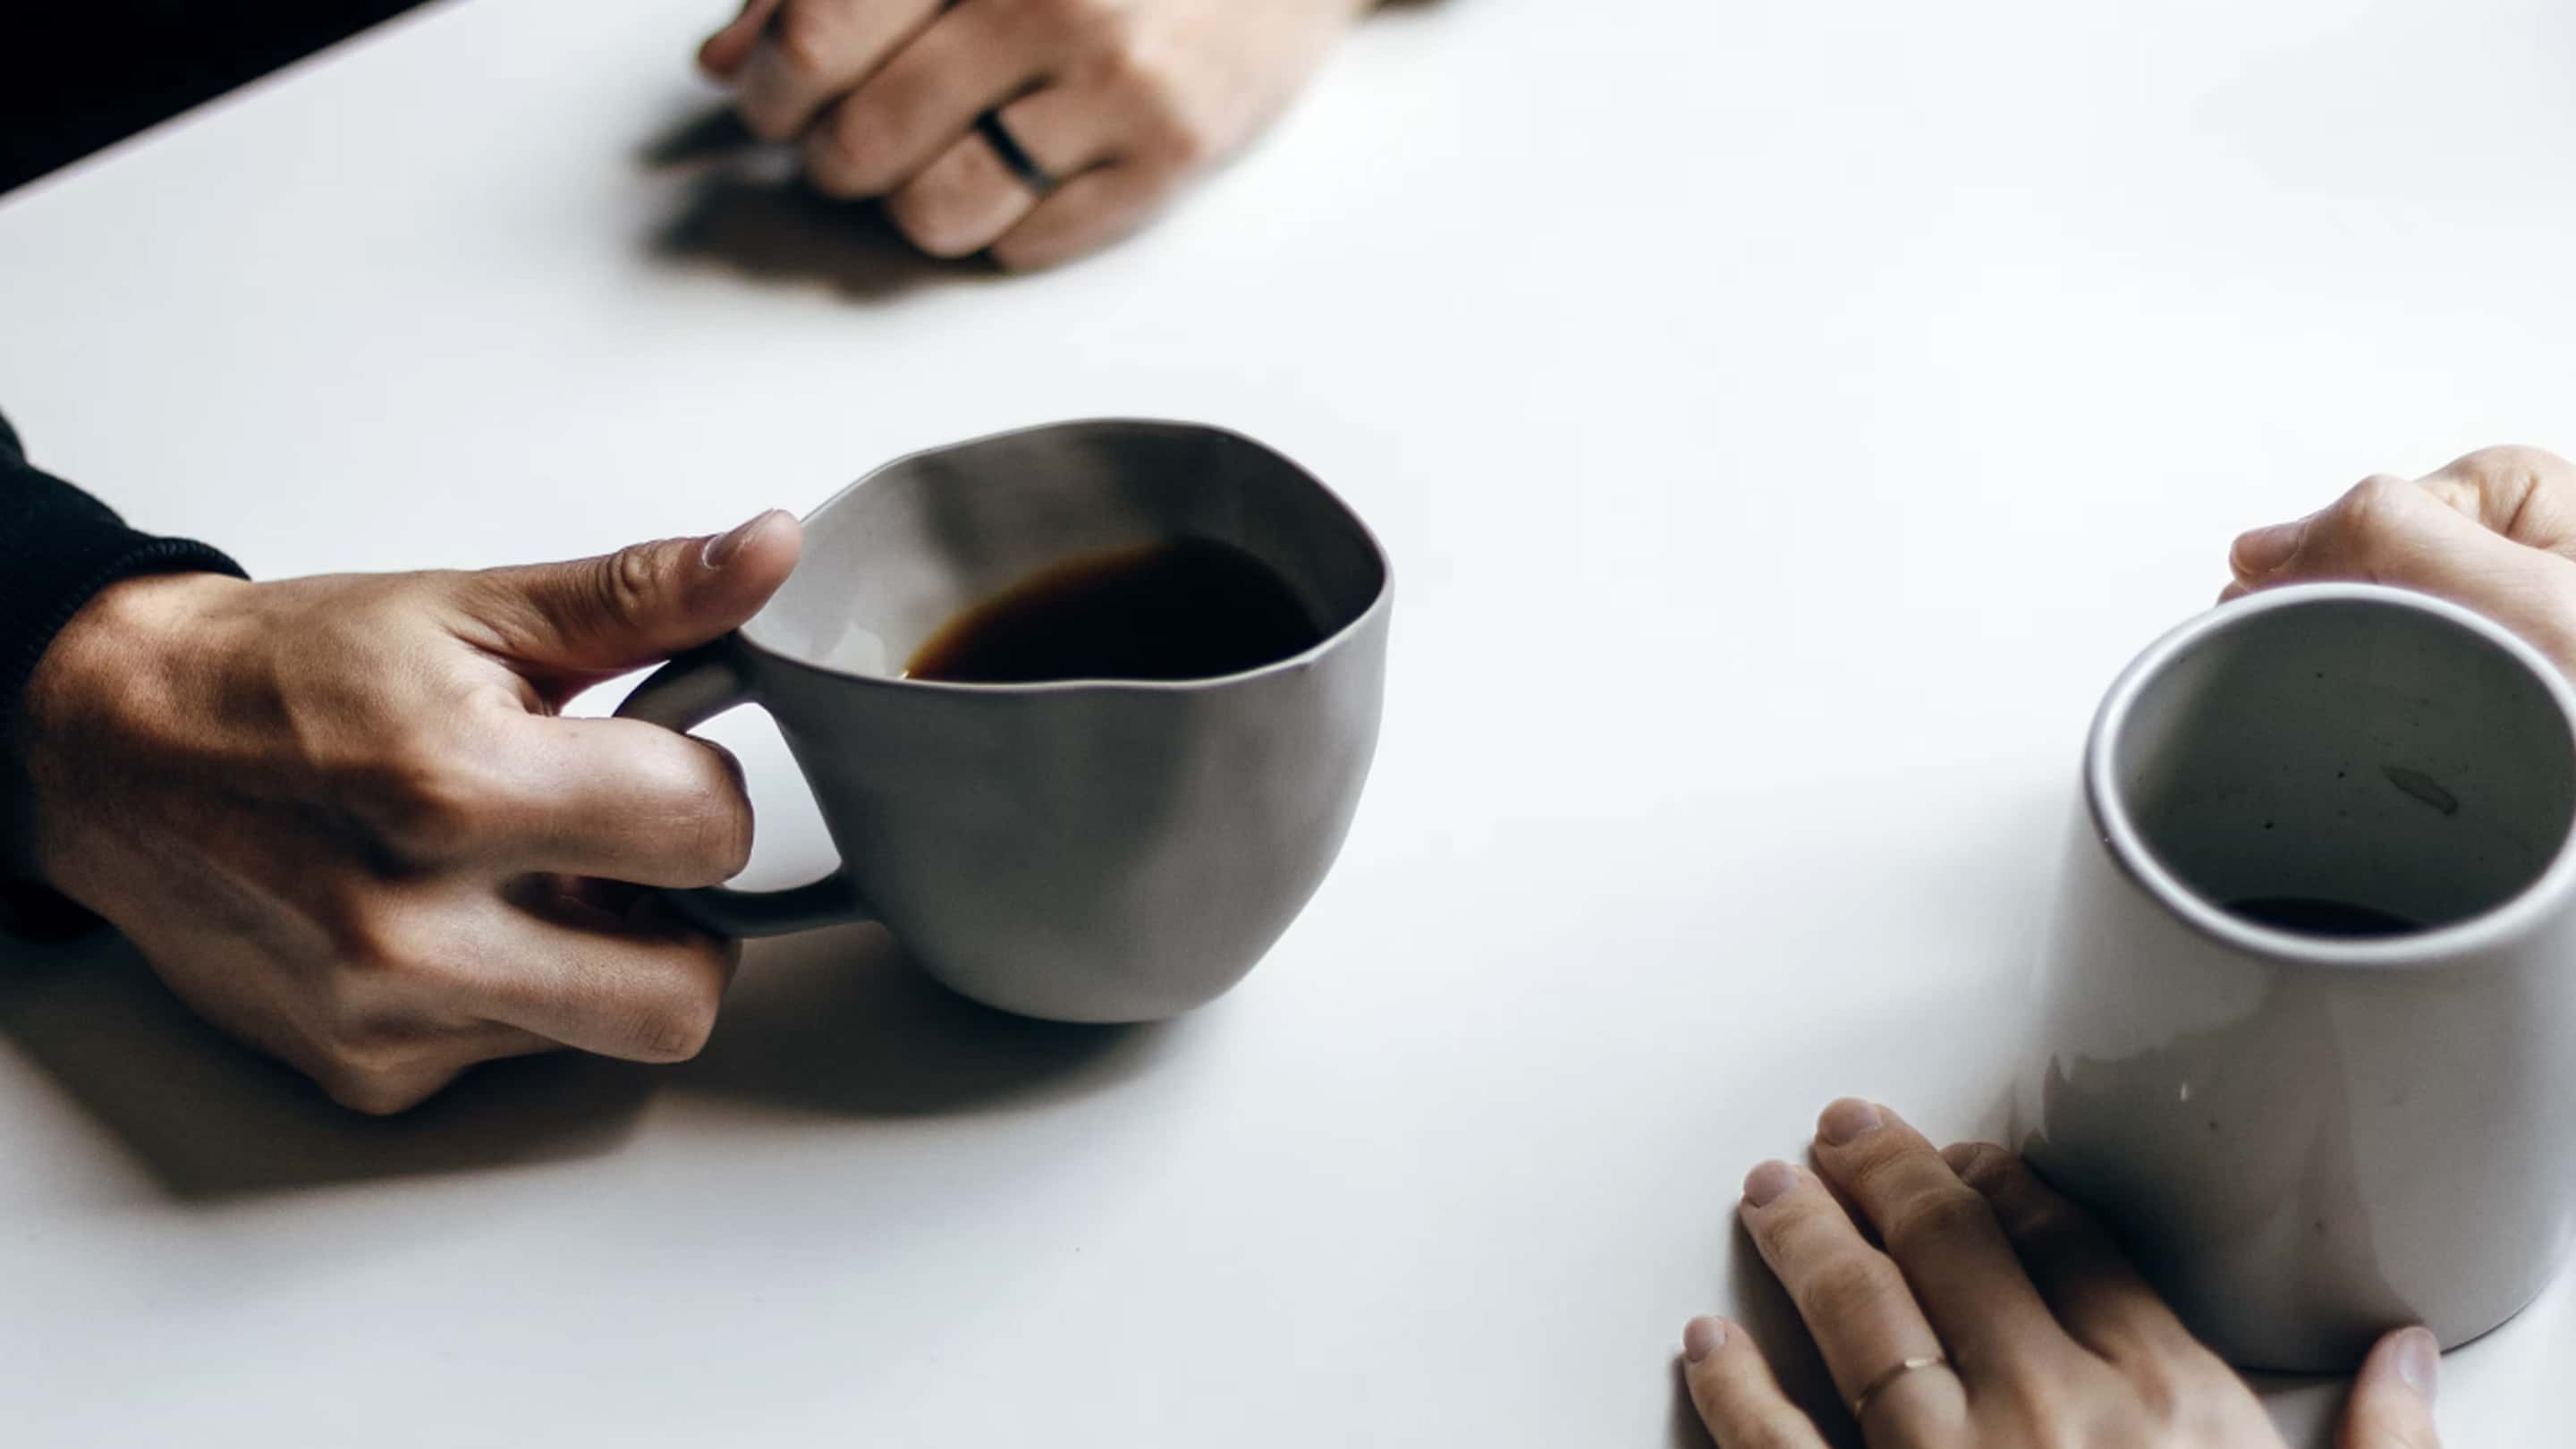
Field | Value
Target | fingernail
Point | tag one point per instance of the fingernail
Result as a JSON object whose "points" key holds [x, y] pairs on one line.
{"points": [[2264, 549], [721, 548], [1847, 1119], [2419, 1361], [1701, 1336], [1764, 1184]]}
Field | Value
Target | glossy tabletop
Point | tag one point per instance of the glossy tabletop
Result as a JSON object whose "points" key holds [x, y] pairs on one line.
{"points": [[1784, 421]]}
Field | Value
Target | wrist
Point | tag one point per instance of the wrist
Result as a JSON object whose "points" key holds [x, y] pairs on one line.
{"points": [[116, 663]]}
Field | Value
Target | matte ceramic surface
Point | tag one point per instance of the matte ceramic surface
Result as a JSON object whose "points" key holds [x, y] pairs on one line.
{"points": [[1082, 850], [1785, 421], [2309, 1141]]}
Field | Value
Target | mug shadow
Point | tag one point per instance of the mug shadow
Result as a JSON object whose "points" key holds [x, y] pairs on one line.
{"points": [[745, 212], [838, 1022], [830, 1023]]}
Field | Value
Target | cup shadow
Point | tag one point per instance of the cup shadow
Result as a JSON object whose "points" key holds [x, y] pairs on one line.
{"points": [[838, 1022], [834, 1023], [744, 211]]}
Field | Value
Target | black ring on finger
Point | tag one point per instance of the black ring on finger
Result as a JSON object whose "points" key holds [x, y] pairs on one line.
{"points": [[1015, 156]]}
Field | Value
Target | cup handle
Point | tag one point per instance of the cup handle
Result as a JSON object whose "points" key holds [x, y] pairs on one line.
{"points": [[688, 691]]}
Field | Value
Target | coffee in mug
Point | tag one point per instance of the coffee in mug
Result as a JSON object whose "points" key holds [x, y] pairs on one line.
{"points": [[1177, 608]]}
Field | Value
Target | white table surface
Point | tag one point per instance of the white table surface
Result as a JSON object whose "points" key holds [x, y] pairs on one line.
{"points": [[1784, 419]]}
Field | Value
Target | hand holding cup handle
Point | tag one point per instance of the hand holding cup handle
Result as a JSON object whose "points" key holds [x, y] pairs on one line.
{"points": [[686, 693]]}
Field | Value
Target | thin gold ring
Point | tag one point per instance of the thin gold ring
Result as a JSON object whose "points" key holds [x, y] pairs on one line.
{"points": [[1860, 1405]]}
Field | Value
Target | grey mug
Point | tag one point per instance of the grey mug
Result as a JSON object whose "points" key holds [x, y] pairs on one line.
{"points": [[1081, 849], [2310, 1138]]}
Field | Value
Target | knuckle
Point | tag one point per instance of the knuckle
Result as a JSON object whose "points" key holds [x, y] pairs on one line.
{"points": [[933, 223], [368, 948], [1976, 1163], [2048, 1224], [720, 840], [2513, 461], [676, 1028], [843, 156], [708, 813], [2377, 507], [1183, 143], [424, 800], [1017, 256], [380, 1072], [1147, 86], [2510, 480], [2160, 1395], [1849, 1287], [377, 1095], [1935, 1218], [808, 36], [623, 584]]}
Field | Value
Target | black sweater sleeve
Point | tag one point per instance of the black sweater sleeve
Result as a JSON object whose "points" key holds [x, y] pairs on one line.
{"points": [[58, 547]]}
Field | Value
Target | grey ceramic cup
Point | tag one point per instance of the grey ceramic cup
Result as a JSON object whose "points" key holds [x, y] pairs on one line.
{"points": [[1082, 850], [2308, 1140]]}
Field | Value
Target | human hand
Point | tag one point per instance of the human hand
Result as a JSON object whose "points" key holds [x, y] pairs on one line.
{"points": [[341, 819], [1119, 101], [1997, 1315], [2494, 531]]}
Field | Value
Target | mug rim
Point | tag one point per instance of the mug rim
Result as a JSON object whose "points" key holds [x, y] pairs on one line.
{"points": [[2437, 947], [1377, 604]]}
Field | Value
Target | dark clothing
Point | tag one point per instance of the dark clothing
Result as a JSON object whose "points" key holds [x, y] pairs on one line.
{"points": [[58, 547], [75, 77]]}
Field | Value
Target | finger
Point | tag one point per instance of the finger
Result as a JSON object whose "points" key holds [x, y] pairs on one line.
{"points": [[394, 1069], [963, 202], [2526, 494], [1942, 1235], [970, 197], [814, 51], [1086, 213], [1854, 1301], [724, 52], [2087, 1281], [641, 987], [920, 103], [617, 799], [375, 1065], [598, 616], [1738, 1399], [2389, 531], [2392, 1401]]}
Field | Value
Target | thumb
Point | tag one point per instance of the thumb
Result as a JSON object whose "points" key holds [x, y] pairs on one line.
{"points": [[2392, 1401], [2390, 531], [645, 602]]}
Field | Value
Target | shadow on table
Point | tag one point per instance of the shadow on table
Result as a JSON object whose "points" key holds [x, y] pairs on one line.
{"points": [[211, 1120], [833, 1022], [837, 1022], [746, 212], [1763, 1309]]}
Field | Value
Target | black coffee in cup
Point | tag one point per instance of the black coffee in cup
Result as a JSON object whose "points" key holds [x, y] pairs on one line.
{"points": [[2319, 916], [1179, 608]]}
